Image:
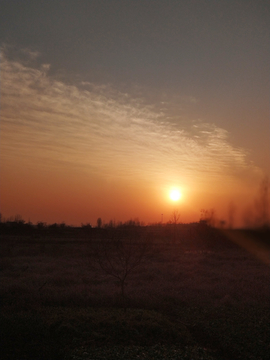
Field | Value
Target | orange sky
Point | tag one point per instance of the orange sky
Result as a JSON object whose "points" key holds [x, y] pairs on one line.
{"points": [[106, 106], [73, 155]]}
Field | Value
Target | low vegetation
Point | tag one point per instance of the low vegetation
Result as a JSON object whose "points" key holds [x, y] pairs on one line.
{"points": [[195, 293]]}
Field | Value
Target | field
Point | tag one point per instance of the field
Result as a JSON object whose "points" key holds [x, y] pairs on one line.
{"points": [[195, 293]]}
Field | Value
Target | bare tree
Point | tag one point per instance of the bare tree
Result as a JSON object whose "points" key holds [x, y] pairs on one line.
{"points": [[208, 216], [120, 253], [262, 204], [248, 217], [175, 217], [99, 222], [231, 214]]}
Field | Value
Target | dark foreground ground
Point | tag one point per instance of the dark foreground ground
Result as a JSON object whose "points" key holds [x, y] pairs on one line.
{"points": [[196, 294]]}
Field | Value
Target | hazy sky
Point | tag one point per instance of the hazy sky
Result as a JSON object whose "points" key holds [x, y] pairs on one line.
{"points": [[108, 104]]}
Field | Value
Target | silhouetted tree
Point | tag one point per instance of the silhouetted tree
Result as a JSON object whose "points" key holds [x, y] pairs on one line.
{"points": [[18, 219], [41, 225], [62, 225], [86, 226], [99, 222], [262, 204], [208, 216], [248, 217], [121, 253], [175, 217], [231, 214]]}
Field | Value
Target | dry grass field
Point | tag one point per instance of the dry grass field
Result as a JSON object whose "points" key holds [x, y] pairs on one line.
{"points": [[193, 295]]}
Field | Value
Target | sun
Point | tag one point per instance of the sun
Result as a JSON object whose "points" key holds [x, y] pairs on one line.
{"points": [[175, 195]]}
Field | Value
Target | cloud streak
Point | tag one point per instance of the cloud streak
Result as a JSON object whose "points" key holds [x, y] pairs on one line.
{"points": [[100, 131]]}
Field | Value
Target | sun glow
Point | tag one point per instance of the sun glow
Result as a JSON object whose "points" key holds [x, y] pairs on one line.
{"points": [[175, 195]]}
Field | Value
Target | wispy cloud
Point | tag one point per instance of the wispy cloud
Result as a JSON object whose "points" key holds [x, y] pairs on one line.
{"points": [[100, 130]]}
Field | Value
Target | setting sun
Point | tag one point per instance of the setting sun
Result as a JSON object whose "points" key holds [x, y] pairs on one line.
{"points": [[119, 139], [175, 195]]}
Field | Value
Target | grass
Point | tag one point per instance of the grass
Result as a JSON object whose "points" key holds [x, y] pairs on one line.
{"points": [[200, 298]]}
